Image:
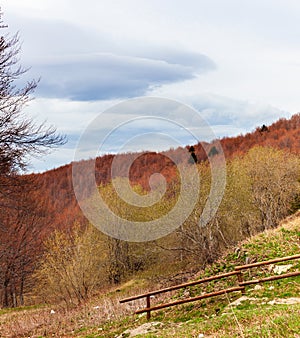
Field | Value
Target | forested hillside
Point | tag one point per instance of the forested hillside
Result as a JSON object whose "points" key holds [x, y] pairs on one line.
{"points": [[56, 185], [50, 252]]}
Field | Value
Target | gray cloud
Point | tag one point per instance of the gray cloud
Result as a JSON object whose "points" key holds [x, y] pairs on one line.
{"points": [[105, 76], [110, 51], [83, 66], [231, 116]]}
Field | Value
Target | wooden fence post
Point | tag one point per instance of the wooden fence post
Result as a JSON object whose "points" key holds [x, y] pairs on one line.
{"points": [[240, 281], [148, 307]]}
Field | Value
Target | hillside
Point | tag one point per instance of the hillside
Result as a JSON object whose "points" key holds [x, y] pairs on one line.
{"points": [[56, 185], [283, 134], [49, 252], [270, 311]]}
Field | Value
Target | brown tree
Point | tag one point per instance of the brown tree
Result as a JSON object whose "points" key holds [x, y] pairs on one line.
{"points": [[73, 265], [22, 229], [20, 138], [274, 176]]}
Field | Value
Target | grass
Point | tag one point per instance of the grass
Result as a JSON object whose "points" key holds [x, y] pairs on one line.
{"points": [[20, 309], [103, 316], [247, 321], [279, 321]]}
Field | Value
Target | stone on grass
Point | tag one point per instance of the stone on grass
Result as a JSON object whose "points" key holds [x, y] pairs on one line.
{"points": [[279, 269]]}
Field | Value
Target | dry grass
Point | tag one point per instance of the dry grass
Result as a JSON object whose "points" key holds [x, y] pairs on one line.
{"points": [[57, 321]]}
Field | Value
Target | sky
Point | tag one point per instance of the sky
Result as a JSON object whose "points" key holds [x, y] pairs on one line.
{"points": [[236, 63]]}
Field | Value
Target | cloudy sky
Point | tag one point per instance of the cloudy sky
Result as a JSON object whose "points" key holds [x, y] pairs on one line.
{"points": [[236, 62]]}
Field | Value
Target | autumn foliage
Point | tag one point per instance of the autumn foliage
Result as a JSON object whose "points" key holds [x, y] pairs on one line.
{"points": [[56, 185]]}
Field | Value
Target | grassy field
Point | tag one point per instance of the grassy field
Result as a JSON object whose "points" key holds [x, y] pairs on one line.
{"points": [[270, 310]]}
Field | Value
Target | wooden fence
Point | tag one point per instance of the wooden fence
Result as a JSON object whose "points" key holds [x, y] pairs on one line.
{"points": [[241, 283]]}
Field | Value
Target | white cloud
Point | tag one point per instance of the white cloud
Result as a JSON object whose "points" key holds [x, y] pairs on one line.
{"points": [[56, 159]]}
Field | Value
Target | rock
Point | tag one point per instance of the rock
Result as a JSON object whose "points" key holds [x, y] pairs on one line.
{"points": [[257, 287], [201, 335], [146, 328], [186, 293], [52, 312], [292, 300], [238, 301], [279, 269]]}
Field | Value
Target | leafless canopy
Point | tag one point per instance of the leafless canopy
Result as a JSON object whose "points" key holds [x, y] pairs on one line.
{"points": [[19, 135]]}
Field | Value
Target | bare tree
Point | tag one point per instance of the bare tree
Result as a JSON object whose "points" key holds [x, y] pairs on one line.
{"points": [[261, 189], [22, 230], [20, 138], [19, 135], [73, 265], [274, 178]]}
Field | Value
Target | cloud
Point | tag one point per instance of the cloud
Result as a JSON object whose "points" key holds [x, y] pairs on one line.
{"points": [[145, 123], [91, 57], [233, 115], [90, 65], [56, 159], [99, 76], [220, 110]]}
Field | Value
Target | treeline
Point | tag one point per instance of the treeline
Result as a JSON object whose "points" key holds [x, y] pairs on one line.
{"points": [[283, 134], [57, 188]]}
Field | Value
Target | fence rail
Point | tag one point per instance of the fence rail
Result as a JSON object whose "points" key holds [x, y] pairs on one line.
{"points": [[180, 286], [237, 272], [276, 260], [266, 279], [192, 299]]}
